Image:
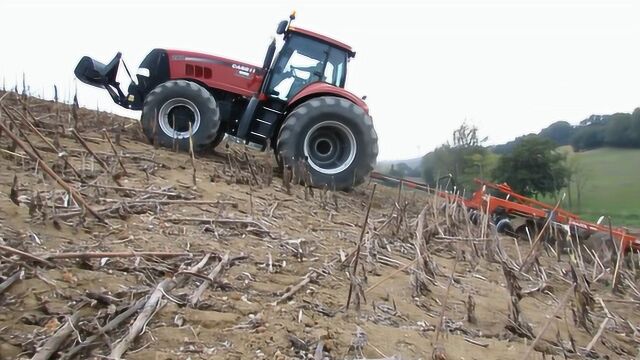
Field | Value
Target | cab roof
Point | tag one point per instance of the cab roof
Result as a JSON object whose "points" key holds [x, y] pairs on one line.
{"points": [[323, 38]]}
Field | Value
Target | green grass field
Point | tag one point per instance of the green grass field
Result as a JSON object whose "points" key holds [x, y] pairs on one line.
{"points": [[611, 184]]}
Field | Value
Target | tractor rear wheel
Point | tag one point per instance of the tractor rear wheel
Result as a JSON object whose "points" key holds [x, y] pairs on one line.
{"points": [[175, 106], [335, 137]]}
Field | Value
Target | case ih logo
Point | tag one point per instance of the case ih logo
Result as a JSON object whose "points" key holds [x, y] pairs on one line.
{"points": [[243, 68]]}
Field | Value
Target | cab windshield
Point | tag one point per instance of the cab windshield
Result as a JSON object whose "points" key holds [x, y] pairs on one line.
{"points": [[303, 61]]}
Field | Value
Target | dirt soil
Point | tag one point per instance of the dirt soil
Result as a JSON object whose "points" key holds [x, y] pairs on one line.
{"points": [[270, 241]]}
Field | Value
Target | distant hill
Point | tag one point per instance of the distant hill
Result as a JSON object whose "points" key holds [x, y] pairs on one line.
{"points": [[619, 130]]}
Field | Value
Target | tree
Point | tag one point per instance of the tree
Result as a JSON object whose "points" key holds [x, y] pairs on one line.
{"points": [[533, 167], [635, 126], [400, 170], [618, 131], [578, 178], [560, 132], [594, 120], [467, 137], [465, 159], [588, 137], [438, 163]]}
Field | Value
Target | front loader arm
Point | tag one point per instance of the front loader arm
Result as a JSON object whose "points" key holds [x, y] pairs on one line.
{"points": [[97, 74]]}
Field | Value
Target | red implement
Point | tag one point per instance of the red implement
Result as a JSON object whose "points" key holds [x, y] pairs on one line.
{"points": [[512, 203]]}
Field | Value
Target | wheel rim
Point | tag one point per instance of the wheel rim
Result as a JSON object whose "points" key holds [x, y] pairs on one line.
{"points": [[176, 115], [330, 147]]}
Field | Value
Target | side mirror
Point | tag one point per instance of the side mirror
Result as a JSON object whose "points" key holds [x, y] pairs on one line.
{"points": [[282, 27]]}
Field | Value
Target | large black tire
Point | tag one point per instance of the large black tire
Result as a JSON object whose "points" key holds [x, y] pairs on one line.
{"points": [[171, 106], [503, 226], [522, 233], [335, 137]]}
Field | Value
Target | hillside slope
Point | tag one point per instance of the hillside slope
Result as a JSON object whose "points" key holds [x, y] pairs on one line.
{"points": [[611, 184], [228, 262]]}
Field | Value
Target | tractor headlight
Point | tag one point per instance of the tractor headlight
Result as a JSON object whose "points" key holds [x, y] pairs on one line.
{"points": [[143, 72]]}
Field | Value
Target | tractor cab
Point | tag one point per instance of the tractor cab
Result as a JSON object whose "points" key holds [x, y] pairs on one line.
{"points": [[305, 58], [306, 62]]}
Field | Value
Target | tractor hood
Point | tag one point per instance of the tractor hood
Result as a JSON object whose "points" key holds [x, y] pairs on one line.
{"points": [[230, 75], [191, 56]]}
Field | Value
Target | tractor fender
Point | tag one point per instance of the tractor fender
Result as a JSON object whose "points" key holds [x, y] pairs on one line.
{"points": [[324, 89]]}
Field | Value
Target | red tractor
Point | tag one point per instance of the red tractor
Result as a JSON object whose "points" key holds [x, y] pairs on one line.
{"points": [[295, 102]]}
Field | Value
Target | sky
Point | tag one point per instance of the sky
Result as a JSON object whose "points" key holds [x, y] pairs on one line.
{"points": [[509, 67]]}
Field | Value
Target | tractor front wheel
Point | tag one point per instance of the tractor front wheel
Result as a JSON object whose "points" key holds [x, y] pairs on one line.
{"points": [[177, 107], [334, 138]]}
